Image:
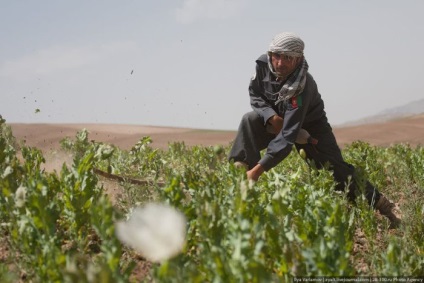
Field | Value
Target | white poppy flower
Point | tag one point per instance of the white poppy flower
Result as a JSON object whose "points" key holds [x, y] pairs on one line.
{"points": [[157, 231], [20, 196]]}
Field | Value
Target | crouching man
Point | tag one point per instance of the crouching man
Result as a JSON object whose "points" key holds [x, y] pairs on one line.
{"points": [[288, 110]]}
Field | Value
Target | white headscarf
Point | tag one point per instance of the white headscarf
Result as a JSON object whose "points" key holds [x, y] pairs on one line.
{"points": [[288, 43], [291, 45]]}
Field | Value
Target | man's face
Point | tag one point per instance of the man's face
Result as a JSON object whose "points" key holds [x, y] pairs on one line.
{"points": [[284, 65]]}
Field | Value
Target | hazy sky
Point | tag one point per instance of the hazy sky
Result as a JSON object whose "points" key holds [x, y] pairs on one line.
{"points": [[188, 63]]}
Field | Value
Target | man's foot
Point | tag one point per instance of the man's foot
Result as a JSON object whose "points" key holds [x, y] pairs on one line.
{"points": [[385, 207], [240, 164]]}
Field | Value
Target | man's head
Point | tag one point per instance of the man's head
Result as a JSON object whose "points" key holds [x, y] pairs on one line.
{"points": [[285, 54]]}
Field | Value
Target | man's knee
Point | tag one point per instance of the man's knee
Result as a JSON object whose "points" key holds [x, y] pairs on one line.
{"points": [[252, 115], [251, 118]]}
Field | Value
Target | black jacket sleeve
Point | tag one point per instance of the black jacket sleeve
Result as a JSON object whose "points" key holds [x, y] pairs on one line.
{"points": [[260, 103], [296, 109]]}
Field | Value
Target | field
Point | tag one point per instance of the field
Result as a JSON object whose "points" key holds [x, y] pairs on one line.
{"points": [[59, 223]]}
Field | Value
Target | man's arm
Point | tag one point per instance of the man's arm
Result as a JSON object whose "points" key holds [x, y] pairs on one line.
{"points": [[257, 98], [294, 116], [255, 172], [275, 124]]}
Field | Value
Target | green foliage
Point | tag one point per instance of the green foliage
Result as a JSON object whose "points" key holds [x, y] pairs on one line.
{"points": [[290, 223], [6, 275], [60, 227]]}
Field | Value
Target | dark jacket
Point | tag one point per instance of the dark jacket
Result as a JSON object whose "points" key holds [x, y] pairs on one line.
{"points": [[303, 111]]}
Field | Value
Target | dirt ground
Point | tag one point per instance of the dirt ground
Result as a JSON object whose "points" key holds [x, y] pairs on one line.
{"points": [[406, 130], [47, 137]]}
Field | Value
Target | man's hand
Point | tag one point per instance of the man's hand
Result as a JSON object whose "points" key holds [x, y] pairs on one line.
{"points": [[275, 124], [255, 172]]}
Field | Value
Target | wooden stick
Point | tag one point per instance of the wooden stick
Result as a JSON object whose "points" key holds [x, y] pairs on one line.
{"points": [[127, 179]]}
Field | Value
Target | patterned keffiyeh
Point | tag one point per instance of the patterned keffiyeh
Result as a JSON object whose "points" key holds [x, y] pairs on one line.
{"points": [[291, 45]]}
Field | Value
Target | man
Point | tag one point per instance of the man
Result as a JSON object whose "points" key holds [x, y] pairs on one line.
{"points": [[288, 110]]}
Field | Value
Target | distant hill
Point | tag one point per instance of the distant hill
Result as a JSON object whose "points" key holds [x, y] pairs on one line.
{"points": [[411, 109], [401, 130]]}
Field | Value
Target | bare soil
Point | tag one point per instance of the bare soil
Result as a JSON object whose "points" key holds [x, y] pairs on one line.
{"points": [[47, 137], [408, 130]]}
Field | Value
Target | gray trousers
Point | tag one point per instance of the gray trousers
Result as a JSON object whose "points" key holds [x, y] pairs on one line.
{"points": [[252, 137]]}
